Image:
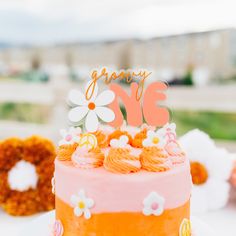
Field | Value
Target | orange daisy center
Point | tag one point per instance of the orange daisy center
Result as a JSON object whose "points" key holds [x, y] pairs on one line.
{"points": [[91, 106], [199, 173]]}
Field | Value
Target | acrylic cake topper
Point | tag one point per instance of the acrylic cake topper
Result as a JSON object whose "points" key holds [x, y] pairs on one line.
{"points": [[90, 107]]}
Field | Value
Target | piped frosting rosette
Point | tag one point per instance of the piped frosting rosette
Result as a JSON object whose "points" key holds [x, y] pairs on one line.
{"points": [[154, 157], [121, 158], [88, 154], [68, 143], [87, 158], [175, 152]]}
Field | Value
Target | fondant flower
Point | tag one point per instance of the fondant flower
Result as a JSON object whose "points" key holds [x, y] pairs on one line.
{"points": [[70, 137], [82, 204], [121, 142], [92, 108], [154, 139], [210, 168], [153, 204], [57, 229]]}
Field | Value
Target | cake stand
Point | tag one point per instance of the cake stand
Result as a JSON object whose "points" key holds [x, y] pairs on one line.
{"points": [[42, 226]]}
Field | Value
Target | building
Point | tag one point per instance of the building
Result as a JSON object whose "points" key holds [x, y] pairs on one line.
{"points": [[211, 52]]}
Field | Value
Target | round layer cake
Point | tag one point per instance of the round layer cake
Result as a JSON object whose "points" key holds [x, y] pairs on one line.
{"points": [[122, 188], [119, 201]]}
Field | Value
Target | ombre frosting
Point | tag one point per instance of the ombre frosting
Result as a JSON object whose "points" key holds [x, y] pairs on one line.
{"points": [[123, 193]]}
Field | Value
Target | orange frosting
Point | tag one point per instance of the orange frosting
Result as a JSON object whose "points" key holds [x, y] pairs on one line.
{"points": [[101, 139], [98, 155], [116, 135], [138, 139], [122, 223], [154, 159], [119, 160], [65, 151]]}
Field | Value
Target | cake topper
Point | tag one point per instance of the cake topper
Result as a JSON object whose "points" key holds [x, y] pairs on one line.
{"points": [[89, 108]]}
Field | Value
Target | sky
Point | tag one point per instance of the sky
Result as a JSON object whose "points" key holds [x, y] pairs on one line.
{"points": [[58, 21]]}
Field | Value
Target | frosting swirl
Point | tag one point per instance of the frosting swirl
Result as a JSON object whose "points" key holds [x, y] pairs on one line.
{"points": [[65, 152], [155, 159], [177, 155], [87, 159], [101, 139], [120, 160]]}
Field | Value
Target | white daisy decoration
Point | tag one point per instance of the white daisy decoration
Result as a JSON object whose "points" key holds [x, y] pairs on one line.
{"points": [[153, 204], [70, 137], [211, 168], [122, 142], [82, 204], [91, 109], [154, 138]]}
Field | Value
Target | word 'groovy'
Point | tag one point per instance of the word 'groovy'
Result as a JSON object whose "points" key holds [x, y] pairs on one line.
{"points": [[127, 76]]}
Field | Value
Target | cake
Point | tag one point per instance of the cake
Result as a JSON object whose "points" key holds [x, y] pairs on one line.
{"points": [[119, 181]]}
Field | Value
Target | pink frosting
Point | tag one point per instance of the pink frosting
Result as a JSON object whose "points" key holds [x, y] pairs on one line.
{"points": [[123, 193], [81, 158]]}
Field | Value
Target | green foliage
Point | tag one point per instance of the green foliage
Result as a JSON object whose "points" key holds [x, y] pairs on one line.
{"points": [[24, 112], [217, 125]]}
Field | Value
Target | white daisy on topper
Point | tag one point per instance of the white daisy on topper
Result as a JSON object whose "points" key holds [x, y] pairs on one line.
{"points": [[211, 168], [82, 204], [154, 138], [92, 108]]}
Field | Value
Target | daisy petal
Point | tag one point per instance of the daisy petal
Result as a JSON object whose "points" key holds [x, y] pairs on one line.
{"points": [[105, 114], [91, 90], [147, 211], [89, 202], [105, 98], [217, 193], [81, 194], [147, 142], [91, 122], [158, 212], [151, 134], [199, 199], [77, 98], [77, 211], [87, 214], [77, 114], [63, 132], [74, 200]]}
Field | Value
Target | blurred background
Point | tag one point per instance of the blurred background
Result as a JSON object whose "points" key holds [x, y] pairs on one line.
{"points": [[46, 47]]}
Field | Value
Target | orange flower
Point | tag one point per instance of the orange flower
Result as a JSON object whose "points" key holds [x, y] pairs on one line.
{"points": [[38, 152]]}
